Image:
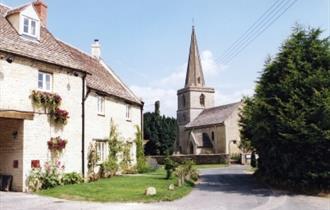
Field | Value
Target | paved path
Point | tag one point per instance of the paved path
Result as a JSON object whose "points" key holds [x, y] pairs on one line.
{"points": [[220, 189]]}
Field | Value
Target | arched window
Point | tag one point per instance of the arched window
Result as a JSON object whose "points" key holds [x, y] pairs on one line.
{"points": [[183, 101], [199, 80], [202, 100]]}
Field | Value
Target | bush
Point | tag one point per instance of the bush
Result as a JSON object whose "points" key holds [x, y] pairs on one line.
{"points": [[72, 178], [141, 164], [170, 166], [186, 172], [52, 175], [35, 180]]}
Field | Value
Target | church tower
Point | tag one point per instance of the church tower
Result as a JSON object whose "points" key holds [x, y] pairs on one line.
{"points": [[193, 98]]}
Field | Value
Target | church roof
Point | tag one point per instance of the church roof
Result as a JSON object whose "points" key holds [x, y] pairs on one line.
{"points": [[194, 75], [213, 116]]}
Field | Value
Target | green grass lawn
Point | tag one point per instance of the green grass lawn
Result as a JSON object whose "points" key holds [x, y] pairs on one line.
{"points": [[121, 189]]}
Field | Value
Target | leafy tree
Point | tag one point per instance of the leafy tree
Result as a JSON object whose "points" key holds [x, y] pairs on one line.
{"points": [[160, 131], [287, 121]]}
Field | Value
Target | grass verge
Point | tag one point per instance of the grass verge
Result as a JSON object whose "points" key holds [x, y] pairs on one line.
{"points": [[122, 189]]}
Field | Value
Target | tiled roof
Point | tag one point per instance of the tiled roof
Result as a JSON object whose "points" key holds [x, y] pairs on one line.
{"points": [[214, 115], [51, 50], [16, 10]]}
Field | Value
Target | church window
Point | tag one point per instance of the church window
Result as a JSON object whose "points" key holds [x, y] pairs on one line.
{"points": [[199, 80], [202, 100], [183, 101], [212, 134]]}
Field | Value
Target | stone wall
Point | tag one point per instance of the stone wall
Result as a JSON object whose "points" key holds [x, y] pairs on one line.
{"points": [[198, 159], [18, 80], [98, 125]]}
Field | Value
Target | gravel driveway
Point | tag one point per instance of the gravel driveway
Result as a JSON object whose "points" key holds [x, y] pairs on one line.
{"points": [[220, 189]]}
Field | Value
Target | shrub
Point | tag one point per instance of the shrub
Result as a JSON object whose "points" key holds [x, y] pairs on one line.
{"points": [[72, 178], [115, 147], [170, 166], [92, 158], [126, 163], [186, 172], [35, 180], [52, 175], [142, 166]]}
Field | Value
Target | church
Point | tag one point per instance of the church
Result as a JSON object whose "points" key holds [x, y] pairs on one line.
{"points": [[202, 127]]}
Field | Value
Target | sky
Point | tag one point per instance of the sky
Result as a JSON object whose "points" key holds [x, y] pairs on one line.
{"points": [[146, 42]]}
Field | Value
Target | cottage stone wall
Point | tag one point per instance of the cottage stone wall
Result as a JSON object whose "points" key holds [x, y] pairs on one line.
{"points": [[18, 80], [98, 126]]}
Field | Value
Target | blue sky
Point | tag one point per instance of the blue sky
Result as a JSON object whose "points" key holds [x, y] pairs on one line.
{"points": [[146, 41]]}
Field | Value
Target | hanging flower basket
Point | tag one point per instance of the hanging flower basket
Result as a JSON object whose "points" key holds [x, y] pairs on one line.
{"points": [[59, 116], [57, 144], [47, 100]]}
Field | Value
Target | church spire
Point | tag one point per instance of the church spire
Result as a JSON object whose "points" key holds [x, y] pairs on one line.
{"points": [[194, 76]]}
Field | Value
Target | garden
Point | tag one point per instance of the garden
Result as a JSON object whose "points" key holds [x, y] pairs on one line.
{"points": [[115, 179]]}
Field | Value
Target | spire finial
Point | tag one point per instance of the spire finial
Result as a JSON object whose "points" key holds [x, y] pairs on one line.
{"points": [[193, 23]]}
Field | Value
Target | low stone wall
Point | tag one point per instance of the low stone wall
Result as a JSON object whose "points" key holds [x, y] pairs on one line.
{"points": [[198, 159]]}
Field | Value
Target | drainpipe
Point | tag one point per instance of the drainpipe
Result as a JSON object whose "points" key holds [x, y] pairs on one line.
{"points": [[142, 119], [83, 125]]}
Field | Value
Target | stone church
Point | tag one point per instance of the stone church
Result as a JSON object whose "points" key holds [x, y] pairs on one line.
{"points": [[202, 127]]}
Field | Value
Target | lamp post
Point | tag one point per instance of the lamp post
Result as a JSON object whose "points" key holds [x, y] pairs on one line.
{"points": [[231, 141]]}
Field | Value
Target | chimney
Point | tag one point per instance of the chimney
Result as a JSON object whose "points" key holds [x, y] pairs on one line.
{"points": [[96, 49], [41, 9]]}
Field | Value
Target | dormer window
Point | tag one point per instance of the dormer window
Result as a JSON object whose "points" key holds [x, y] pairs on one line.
{"points": [[30, 26]]}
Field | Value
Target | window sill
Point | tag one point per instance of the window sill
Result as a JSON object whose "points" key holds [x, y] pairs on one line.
{"points": [[129, 120], [101, 114]]}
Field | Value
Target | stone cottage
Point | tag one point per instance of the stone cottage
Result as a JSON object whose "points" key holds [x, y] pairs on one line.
{"points": [[202, 127], [50, 90]]}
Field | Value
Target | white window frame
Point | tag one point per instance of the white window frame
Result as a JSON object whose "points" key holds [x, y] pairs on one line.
{"points": [[102, 148], [30, 29], [101, 105], [128, 112], [45, 86]]}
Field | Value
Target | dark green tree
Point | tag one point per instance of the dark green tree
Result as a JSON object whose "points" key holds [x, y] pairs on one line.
{"points": [[160, 131], [287, 121]]}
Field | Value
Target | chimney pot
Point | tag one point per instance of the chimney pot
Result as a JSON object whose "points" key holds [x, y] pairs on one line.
{"points": [[96, 49], [42, 10]]}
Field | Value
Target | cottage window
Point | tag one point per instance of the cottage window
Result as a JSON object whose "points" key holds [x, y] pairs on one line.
{"points": [[45, 81], [100, 105], [128, 112], [101, 149], [30, 26]]}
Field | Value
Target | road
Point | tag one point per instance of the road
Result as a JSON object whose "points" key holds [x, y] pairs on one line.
{"points": [[219, 189]]}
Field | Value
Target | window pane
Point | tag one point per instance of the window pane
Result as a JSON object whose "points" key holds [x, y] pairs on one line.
{"points": [[40, 80], [33, 27], [47, 81], [26, 25]]}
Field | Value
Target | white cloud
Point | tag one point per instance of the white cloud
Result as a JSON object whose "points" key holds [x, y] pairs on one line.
{"points": [[167, 98], [165, 89]]}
